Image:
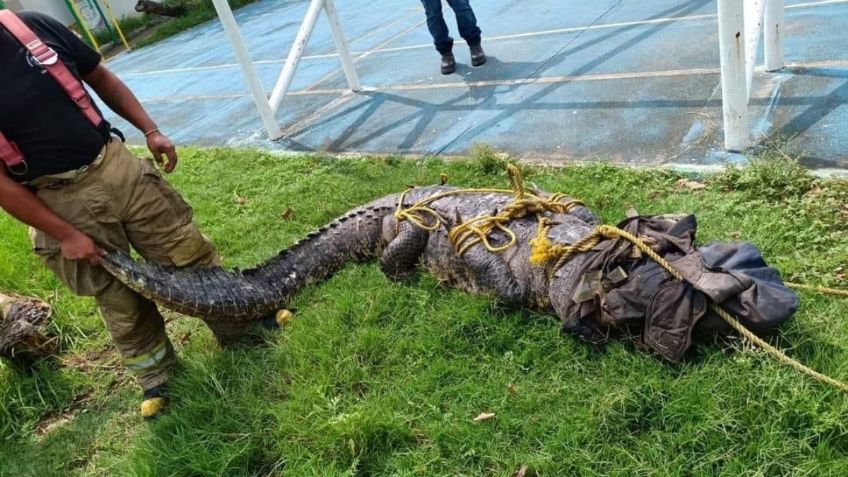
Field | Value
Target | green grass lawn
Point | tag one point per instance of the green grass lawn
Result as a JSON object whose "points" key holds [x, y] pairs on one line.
{"points": [[379, 378]]}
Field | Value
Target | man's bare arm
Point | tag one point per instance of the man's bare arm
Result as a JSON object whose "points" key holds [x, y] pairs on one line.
{"points": [[22, 204], [122, 101]]}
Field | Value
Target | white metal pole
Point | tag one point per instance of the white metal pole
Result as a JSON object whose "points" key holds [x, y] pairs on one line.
{"points": [[753, 11], [773, 35], [734, 100], [295, 54], [253, 83], [341, 46]]}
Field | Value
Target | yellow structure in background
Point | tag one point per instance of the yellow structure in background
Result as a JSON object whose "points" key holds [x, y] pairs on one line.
{"points": [[82, 15], [115, 23], [76, 13]]}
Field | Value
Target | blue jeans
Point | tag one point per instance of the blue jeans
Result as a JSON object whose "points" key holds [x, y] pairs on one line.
{"points": [[465, 20]]}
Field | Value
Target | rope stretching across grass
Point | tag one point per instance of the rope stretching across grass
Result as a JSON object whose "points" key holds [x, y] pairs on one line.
{"points": [[822, 290], [477, 230]]}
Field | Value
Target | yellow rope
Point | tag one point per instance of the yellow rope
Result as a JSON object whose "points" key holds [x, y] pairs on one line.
{"points": [[478, 229], [542, 250], [774, 352], [822, 290], [415, 214]]}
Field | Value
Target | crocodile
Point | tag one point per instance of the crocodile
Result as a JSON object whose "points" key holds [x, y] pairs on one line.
{"points": [[377, 231], [365, 233]]}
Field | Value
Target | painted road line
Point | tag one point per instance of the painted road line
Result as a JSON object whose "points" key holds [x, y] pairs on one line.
{"points": [[417, 14], [462, 84], [558, 31], [509, 82], [319, 113], [360, 57]]}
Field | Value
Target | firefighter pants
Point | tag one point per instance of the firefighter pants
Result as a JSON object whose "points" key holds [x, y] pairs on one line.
{"points": [[122, 202]]}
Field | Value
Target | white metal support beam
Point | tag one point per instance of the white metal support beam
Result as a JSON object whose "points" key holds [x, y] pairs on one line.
{"points": [[268, 108], [247, 68], [753, 31], [734, 98], [296, 53], [341, 46], [741, 23], [773, 35]]}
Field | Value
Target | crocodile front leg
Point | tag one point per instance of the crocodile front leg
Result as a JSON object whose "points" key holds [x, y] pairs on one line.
{"points": [[402, 255], [492, 273]]}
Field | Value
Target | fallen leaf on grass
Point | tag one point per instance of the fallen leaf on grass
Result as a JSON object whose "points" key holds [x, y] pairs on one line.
{"points": [[691, 185], [239, 199], [185, 338], [520, 472], [286, 214], [484, 416]]}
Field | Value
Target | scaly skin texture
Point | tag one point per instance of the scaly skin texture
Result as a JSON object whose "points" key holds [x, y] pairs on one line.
{"points": [[366, 233]]}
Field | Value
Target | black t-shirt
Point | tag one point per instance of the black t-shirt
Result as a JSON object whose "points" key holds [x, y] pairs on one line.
{"points": [[35, 112]]}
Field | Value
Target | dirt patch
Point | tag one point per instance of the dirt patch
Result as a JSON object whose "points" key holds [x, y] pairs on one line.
{"points": [[104, 358], [59, 419], [90, 361]]}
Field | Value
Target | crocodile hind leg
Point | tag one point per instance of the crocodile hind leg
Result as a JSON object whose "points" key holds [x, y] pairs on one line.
{"points": [[401, 256], [493, 274]]}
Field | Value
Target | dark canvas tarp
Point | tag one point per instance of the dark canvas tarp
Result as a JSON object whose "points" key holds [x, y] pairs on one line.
{"points": [[665, 310]]}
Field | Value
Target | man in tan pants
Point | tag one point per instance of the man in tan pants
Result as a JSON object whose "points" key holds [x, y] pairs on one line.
{"points": [[82, 192], [120, 201]]}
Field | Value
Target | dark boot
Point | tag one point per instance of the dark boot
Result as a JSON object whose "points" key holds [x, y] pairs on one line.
{"points": [[448, 64], [477, 56]]}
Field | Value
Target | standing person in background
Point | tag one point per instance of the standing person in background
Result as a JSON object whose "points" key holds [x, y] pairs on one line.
{"points": [[468, 30]]}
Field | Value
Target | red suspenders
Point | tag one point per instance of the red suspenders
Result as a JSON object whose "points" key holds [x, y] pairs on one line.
{"points": [[47, 58]]}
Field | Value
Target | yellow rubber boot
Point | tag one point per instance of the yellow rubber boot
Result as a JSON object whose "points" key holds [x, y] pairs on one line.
{"points": [[154, 402], [283, 317], [277, 320]]}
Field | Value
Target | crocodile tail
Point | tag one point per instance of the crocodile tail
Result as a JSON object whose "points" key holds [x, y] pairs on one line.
{"points": [[218, 294], [211, 293]]}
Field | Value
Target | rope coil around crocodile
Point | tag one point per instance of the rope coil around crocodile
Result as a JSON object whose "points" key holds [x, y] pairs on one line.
{"points": [[477, 230]]}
